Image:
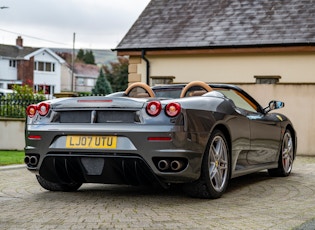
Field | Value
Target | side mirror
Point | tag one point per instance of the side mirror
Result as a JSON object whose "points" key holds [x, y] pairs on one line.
{"points": [[274, 105]]}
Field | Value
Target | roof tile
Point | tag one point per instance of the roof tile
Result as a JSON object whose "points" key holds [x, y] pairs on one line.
{"points": [[203, 23], [10, 51]]}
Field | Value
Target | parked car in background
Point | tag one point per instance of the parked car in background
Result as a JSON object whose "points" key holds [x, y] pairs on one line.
{"points": [[198, 135], [4, 92]]}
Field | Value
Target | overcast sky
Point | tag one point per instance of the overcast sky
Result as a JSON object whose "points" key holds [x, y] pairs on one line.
{"points": [[98, 24]]}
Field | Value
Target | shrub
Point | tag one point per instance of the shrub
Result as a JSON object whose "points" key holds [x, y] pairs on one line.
{"points": [[14, 105]]}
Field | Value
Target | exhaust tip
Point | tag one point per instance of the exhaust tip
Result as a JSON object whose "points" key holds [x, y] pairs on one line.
{"points": [[170, 164], [163, 165], [33, 160], [176, 165], [27, 160]]}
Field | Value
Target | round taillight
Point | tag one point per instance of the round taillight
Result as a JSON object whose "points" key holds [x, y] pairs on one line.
{"points": [[31, 110], [43, 108], [154, 108], [172, 109]]}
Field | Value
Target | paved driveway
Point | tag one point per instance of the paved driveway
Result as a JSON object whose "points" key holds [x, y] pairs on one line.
{"points": [[251, 202]]}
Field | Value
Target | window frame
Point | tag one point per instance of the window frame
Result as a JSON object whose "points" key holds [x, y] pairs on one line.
{"points": [[42, 66], [12, 63]]}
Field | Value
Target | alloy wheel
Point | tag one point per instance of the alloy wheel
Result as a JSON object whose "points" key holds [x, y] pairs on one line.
{"points": [[218, 163], [287, 152]]}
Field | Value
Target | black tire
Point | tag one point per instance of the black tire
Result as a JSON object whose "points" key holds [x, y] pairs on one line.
{"points": [[51, 186], [215, 169], [286, 157]]}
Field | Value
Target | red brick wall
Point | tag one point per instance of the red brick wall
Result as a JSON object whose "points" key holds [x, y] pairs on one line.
{"points": [[25, 71]]}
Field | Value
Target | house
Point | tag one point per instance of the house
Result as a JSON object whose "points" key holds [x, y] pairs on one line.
{"points": [[83, 77], [39, 68], [267, 47], [222, 41]]}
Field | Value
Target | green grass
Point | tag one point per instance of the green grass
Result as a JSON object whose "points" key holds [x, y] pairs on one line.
{"points": [[11, 157]]}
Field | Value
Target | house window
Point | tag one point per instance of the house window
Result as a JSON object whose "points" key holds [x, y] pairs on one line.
{"points": [[267, 79], [44, 66], [45, 89], [48, 66], [12, 63], [161, 80], [90, 82], [40, 66], [80, 81]]}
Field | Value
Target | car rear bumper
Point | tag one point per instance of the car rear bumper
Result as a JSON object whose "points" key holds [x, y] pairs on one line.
{"points": [[136, 160]]}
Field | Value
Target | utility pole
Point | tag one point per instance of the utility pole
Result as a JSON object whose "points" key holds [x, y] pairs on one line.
{"points": [[72, 76]]}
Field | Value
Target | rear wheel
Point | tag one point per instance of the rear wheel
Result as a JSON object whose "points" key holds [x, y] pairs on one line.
{"points": [[51, 186], [286, 157], [215, 171]]}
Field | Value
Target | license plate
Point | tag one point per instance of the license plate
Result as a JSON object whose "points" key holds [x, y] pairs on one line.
{"points": [[91, 142]]}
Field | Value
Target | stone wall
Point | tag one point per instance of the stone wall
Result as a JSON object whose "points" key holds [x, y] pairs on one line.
{"points": [[12, 134]]}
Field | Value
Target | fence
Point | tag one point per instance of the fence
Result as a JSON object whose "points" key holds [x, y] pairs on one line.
{"points": [[15, 107]]}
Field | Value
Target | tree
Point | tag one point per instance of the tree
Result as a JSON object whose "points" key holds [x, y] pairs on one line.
{"points": [[102, 85], [117, 74], [80, 55], [88, 57]]}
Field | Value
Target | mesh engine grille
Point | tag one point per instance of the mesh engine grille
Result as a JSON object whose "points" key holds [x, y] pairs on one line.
{"points": [[98, 117]]}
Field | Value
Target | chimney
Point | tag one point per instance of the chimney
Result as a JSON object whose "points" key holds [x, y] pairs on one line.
{"points": [[19, 41]]}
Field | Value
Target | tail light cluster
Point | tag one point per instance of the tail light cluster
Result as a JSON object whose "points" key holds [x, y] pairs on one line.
{"points": [[42, 109], [154, 108]]}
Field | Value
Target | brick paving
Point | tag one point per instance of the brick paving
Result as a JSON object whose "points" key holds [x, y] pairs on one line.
{"points": [[251, 202]]}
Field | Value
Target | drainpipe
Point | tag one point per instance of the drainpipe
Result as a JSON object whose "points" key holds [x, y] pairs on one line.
{"points": [[148, 66]]}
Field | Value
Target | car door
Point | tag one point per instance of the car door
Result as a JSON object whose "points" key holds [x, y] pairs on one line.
{"points": [[265, 138], [264, 129]]}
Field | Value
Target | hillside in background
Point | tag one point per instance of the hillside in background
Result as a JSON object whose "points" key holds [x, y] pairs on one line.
{"points": [[102, 57]]}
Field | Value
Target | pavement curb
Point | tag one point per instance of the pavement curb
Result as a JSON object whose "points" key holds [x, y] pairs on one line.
{"points": [[10, 167]]}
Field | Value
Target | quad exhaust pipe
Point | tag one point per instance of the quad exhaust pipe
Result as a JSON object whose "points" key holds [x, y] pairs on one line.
{"points": [[176, 165], [170, 165], [31, 160], [163, 165]]}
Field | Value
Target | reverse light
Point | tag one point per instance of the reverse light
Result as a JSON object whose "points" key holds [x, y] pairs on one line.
{"points": [[31, 110], [43, 108], [172, 109], [154, 108]]}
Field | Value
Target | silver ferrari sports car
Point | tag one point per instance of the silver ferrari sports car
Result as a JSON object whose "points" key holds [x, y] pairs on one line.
{"points": [[198, 135]]}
